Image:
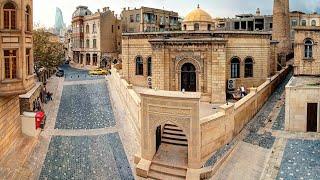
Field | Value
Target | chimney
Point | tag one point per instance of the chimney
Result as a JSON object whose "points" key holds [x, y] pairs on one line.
{"points": [[128, 8], [113, 12], [108, 8], [104, 9], [124, 9], [98, 10]]}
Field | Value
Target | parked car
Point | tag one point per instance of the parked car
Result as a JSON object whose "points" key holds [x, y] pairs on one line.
{"points": [[98, 72], [60, 73]]}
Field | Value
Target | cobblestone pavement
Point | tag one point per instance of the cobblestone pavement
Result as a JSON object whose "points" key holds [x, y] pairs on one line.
{"points": [[85, 107], [301, 160], [96, 140]]}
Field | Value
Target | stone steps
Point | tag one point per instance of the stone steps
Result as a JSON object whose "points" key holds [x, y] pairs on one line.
{"points": [[173, 135], [163, 171]]}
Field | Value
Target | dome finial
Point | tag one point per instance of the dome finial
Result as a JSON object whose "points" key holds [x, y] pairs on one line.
{"points": [[198, 6]]}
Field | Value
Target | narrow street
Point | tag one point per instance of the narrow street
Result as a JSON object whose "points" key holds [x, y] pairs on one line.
{"points": [[85, 136]]}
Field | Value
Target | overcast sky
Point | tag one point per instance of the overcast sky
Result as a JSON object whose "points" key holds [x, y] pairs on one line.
{"points": [[44, 10]]}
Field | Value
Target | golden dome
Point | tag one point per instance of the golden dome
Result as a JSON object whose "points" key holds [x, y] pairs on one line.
{"points": [[198, 15]]}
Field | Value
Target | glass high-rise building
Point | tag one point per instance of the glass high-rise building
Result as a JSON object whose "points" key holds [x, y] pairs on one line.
{"points": [[59, 24]]}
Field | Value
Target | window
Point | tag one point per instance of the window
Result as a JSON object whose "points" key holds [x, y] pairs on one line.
{"points": [[308, 49], [131, 18], [28, 63], [303, 23], [87, 43], [94, 43], [138, 17], [87, 29], [28, 20], [313, 23], [9, 16], [185, 27], [10, 64], [149, 66], [196, 27], [87, 59], [95, 59], [209, 27], [139, 66], [248, 68], [235, 68], [94, 28], [294, 23]]}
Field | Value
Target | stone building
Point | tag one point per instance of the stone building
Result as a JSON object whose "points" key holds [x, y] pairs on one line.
{"points": [[302, 92], [16, 66], [147, 19], [248, 22], [96, 38], [198, 61]]}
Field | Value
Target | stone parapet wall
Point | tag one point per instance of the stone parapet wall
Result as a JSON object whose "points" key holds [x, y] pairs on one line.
{"points": [[218, 129], [129, 98], [10, 123]]}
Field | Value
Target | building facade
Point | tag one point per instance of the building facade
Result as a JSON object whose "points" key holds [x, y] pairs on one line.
{"points": [[303, 112], [247, 22], [198, 61], [147, 19], [17, 74], [95, 37]]}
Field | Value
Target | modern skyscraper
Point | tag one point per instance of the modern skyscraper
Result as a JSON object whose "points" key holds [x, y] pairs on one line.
{"points": [[59, 24]]}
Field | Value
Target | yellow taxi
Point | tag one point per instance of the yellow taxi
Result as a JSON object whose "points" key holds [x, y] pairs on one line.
{"points": [[98, 72]]}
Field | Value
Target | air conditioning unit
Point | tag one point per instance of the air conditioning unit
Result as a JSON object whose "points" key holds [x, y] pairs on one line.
{"points": [[232, 84]]}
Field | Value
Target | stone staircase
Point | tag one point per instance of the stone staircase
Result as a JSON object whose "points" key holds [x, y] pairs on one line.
{"points": [[162, 171], [172, 134]]}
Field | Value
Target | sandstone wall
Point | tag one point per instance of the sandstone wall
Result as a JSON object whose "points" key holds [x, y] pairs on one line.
{"points": [[128, 97], [10, 123]]}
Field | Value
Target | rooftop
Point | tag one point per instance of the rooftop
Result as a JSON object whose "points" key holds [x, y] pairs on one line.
{"points": [[304, 82]]}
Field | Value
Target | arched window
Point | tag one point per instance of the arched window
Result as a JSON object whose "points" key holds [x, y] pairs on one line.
{"points": [[139, 66], [185, 27], [87, 43], [313, 23], [248, 67], [196, 27], [308, 49], [209, 27], [235, 68], [28, 18], [9, 16], [303, 23], [87, 29], [94, 28], [94, 44], [149, 66]]}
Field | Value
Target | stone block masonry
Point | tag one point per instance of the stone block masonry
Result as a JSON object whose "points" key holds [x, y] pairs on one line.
{"points": [[10, 124]]}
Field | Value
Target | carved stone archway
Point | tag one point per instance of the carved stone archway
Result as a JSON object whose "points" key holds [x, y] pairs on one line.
{"points": [[178, 71]]}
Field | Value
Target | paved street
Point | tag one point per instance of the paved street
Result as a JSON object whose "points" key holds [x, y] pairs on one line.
{"points": [[86, 135]]}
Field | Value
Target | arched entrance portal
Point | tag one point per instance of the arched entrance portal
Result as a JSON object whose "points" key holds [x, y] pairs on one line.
{"points": [[188, 77], [171, 139]]}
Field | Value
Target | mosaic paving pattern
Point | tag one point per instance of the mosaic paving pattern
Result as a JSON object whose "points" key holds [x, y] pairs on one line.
{"points": [[279, 123], [94, 157], [85, 106], [301, 160]]}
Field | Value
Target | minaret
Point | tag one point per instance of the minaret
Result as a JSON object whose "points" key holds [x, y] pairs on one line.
{"points": [[281, 25]]}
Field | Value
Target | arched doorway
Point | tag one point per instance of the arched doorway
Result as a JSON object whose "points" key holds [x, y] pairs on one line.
{"points": [[188, 77]]}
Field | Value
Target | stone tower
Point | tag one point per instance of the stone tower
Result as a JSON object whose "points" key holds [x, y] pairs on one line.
{"points": [[281, 25]]}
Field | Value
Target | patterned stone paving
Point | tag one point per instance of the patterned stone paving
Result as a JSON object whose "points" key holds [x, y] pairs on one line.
{"points": [[301, 160], [279, 123], [85, 106], [87, 157]]}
